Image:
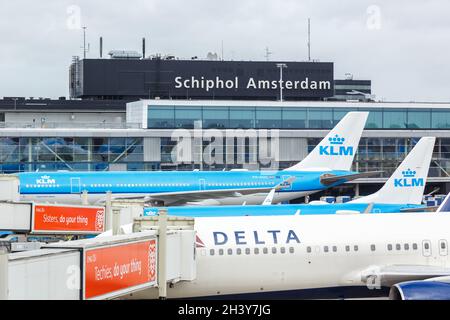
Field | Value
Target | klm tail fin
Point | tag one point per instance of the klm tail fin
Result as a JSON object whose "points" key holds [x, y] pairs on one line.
{"points": [[337, 150], [407, 184]]}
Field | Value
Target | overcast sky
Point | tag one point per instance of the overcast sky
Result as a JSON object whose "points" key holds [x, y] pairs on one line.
{"points": [[403, 46]]}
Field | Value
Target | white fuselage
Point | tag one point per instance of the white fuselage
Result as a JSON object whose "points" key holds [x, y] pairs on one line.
{"points": [[331, 251]]}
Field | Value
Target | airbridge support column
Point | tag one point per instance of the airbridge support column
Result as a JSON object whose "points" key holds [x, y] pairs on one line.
{"points": [[162, 254], [3, 274]]}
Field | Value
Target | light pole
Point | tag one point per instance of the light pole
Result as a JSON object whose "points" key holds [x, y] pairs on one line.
{"points": [[281, 66]]}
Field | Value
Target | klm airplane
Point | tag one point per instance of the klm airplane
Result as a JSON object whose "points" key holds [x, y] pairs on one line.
{"points": [[328, 165], [403, 192]]}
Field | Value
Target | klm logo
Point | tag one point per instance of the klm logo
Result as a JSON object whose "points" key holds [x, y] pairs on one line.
{"points": [[409, 180], [45, 180], [336, 148]]}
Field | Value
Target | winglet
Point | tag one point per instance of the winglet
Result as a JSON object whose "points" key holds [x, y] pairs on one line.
{"points": [[268, 200], [337, 150], [445, 205], [407, 184]]}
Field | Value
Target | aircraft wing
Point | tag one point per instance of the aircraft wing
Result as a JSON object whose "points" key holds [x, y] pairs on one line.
{"points": [[328, 178], [183, 197], [388, 276], [424, 209]]}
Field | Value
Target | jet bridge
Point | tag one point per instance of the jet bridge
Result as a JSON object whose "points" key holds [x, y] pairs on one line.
{"points": [[105, 267]]}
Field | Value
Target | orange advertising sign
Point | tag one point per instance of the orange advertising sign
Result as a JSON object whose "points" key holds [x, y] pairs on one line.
{"points": [[48, 218], [112, 269]]}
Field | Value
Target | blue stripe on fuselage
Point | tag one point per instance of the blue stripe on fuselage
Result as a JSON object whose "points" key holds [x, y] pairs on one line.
{"points": [[275, 210]]}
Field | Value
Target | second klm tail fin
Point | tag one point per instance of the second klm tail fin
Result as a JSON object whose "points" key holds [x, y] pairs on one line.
{"points": [[407, 184], [337, 150]]}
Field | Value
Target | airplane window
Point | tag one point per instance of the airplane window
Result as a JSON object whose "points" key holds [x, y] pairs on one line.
{"points": [[334, 249], [398, 247], [427, 246], [247, 250], [221, 252], [414, 246], [211, 252], [274, 250], [347, 248], [238, 251], [389, 247], [283, 250], [308, 249], [443, 245], [372, 247], [291, 249], [265, 250], [406, 246], [230, 252], [355, 248], [325, 249], [256, 250]]}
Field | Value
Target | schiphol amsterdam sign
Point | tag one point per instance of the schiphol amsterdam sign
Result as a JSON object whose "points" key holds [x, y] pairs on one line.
{"points": [[206, 84]]}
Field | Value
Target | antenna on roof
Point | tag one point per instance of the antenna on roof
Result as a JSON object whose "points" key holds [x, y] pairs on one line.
{"points": [[85, 50], [268, 54], [309, 39]]}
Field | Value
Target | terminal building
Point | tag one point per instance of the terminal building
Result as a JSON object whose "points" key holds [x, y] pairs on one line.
{"points": [[111, 124]]}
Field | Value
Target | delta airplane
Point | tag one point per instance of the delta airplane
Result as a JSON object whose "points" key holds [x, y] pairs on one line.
{"points": [[328, 165], [311, 256], [401, 193]]}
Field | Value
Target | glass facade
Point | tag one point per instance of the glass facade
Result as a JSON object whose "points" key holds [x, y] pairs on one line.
{"points": [[76, 153], [169, 117], [101, 153]]}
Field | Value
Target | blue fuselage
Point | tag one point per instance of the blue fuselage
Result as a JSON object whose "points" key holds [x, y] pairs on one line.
{"points": [[277, 210], [153, 182]]}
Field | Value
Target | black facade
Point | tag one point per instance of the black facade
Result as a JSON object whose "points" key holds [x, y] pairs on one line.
{"points": [[133, 79]]}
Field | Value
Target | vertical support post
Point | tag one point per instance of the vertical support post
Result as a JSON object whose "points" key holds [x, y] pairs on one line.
{"points": [[3, 274], [162, 254], [357, 190], [108, 210], [116, 220], [84, 198]]}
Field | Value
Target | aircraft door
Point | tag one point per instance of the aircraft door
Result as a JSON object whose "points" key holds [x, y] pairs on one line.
{"points": [[75, 185], [426, 248], [202, 184]]}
